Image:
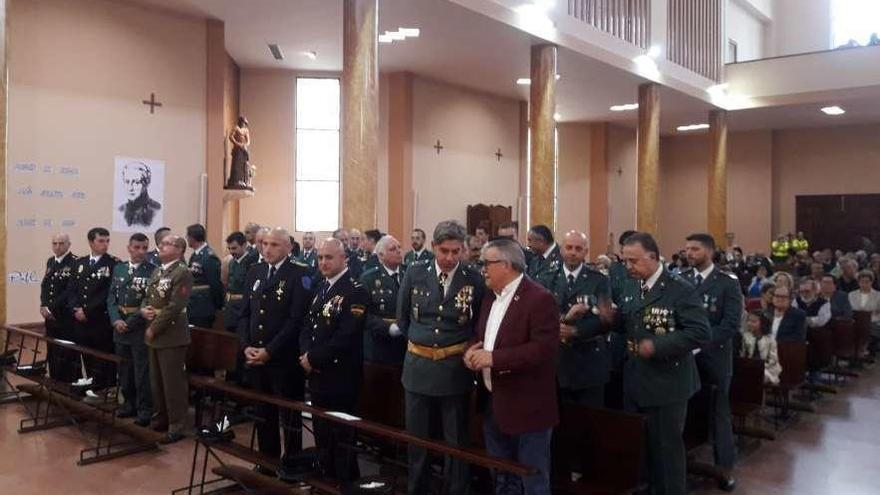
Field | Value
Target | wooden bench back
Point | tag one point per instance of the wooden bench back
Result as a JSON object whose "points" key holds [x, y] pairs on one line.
{"points": [[793, 359], [747, 384], [212, 349], [820, 348], [843, 337]]}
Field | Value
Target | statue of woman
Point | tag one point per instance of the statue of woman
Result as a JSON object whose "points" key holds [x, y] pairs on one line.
{"points": [[241, 172]]}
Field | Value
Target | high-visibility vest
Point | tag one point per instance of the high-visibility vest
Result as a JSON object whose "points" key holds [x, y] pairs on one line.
{"points": [[779, 249], [800, 244]]}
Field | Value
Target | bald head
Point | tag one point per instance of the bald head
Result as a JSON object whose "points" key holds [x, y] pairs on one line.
{"points": [[574, 249], [275, 245], [60, 244], [331, 257]]}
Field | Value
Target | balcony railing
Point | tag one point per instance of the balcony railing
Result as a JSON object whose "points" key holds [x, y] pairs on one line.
{"points": [[695, 36], [629, 20]]}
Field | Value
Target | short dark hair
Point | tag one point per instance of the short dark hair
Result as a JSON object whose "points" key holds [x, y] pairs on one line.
{"points": [[509, 225], [645, 240], [138, 237], [197, 232], [420, 231], [766, 327], [158, 233], [544, 232], [706, 240], [373, 235], [97, 231], [236, 237], [624, 236]]}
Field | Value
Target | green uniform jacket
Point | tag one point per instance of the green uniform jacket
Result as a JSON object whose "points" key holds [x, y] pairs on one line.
{"points": [[168, 291], [127, 289], [540, 267], [235, 288], [673, 316], [379, 345], [207, 294], [309, 257], [723, 303], [411, 257], [429, 318], [584, 361]]}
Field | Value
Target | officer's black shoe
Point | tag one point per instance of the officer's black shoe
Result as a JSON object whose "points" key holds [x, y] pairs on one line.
{"points": [[728, 484], [261, 469]]}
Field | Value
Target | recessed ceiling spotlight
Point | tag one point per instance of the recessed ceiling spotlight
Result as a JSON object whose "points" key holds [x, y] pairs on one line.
{"points": [[624, 108], [557, 117], [692, 127], [311, 54], [275, 50], [835, 110], [409, 32]]}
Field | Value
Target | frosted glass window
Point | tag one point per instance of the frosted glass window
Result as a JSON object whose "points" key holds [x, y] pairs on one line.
{"points": [[317, 154], [853, 22], [317, 206]]}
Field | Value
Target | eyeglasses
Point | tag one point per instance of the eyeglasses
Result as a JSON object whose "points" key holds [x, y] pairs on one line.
{"points": [[487, 263]]}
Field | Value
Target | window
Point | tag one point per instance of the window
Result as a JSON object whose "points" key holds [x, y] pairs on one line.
{"points": [[317, 154], [853, 22], [731, 52]]}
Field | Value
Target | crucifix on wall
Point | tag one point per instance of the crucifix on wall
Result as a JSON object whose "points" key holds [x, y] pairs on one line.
{"points": [[152, 103], [498, 154], [438, 147]]}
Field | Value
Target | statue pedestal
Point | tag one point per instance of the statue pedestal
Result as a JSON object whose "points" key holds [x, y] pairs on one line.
{"points": [[234, 194]]}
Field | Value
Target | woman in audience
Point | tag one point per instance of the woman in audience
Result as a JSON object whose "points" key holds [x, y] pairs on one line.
{"points": [[784, 279], [868, 299], [602, 264], [757, 281], [758, 344]]}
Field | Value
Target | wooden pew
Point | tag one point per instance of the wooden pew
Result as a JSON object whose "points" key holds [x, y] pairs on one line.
{"points": [[215, 358], [747, 397], [68, 409], [606, 447]]}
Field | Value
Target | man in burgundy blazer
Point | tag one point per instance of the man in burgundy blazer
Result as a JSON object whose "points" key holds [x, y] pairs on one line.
{"points": [[517, 338]]}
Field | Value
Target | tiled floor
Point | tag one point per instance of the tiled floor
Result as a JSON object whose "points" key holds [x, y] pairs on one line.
{"points": [[836, 451]]}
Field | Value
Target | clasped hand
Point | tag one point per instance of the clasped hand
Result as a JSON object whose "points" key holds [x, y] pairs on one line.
{"points": [[476, 358]]}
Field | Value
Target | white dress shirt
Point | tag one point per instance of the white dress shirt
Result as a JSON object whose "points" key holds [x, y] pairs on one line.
{"points": [[335, 278], [649, 284], [705, 273], [493, 324], [59, 258], [774, 329], [575, 273]]}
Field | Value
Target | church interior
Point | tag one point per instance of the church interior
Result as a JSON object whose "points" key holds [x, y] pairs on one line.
{"points": [[581, 131]]}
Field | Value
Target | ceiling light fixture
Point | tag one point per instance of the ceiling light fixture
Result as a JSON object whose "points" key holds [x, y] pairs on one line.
{"points": [[557, 117], [311, 54], [655, 51], [692, 127], [275, 50], [524, 81], [624, 108], [401, 34], [410, 32], [835, 110], [384, 38]]}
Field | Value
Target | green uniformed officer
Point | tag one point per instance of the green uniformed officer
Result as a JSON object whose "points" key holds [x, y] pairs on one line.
{"points": [[153, 256], [624, 293], [236, 271], [384, 343], [662, 329], [722, 300], [127, 290], [546, 257], [419, 252], [207, 294], [167, 337], [438, 306], [367, 254], [309, 255], [584, 360]]}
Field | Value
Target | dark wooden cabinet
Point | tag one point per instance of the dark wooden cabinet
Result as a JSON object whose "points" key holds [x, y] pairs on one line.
{"points": [[488, 216], [839, 220]]}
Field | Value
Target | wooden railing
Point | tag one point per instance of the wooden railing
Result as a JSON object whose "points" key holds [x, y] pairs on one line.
{"points": [[629, 20], [695, 31]]}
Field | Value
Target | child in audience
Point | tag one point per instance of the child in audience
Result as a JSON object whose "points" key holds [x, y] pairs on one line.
{"points": [[759, 344]]}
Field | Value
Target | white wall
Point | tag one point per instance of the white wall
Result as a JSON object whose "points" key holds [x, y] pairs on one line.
{"points": [[747, 30], [78, 72], [800, 26], [471, 127]]}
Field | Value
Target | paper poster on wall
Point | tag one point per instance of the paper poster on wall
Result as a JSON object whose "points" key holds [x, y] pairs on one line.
{"points": [[138, 194]]}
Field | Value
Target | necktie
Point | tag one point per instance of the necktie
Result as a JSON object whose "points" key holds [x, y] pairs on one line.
{"points": [[324, 288], [271, 272], [442, 278], [644, 288], [570, 280], [698, 279]]}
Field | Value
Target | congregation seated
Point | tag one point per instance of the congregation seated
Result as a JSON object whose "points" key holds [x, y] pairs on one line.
{"points": [[758, 281], [840, 306], [848, 280], [817, 309], [866, 298], [757, 343]]}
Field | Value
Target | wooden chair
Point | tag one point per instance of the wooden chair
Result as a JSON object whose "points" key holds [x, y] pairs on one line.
{"points": [[753, 304], [604, 446], [862, 331], [844, 343], [793, 359], [747, 397], [820, 357]]}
